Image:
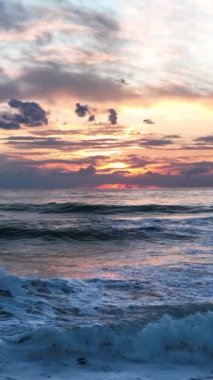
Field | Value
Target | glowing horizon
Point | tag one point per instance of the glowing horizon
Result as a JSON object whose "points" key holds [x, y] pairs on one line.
{"points": [[122, 94]]}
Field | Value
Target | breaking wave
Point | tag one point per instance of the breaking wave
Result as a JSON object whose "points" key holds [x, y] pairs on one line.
{"points": [[42, 317], [187, 340]]}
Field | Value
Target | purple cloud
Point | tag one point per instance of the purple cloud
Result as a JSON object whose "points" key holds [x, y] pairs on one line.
{"points": [[113, 116], [81, 110], [30, 113]]}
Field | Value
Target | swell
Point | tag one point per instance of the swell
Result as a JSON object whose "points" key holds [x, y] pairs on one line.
{"points": [[22, 231], [103, 208]]}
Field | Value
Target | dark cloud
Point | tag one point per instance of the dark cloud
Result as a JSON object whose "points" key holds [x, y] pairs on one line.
{"points": [[81, 110], [82, 144], [17, 173], [195, 147], [196, 170], [199, 143], [91, 118], [188, 168], [90, 161], [148, 121], [19, 138], [30, 113], [7, 124], [84, 110], [120, 172], [28, 142], [172, 136], [63, 145], [155, 142], [35, 162], [113, 116], [204, 139], [90, 170], [123, 81], [57, 132], [53, 80]]}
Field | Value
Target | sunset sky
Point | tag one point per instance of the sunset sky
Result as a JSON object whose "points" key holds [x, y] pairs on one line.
{"points": [[106, 93]]}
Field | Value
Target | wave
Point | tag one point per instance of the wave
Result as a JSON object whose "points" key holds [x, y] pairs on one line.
{"points": [[103, 208], [182, 340], [186, 340], [68, 300], [60, 316], [25, 231]]}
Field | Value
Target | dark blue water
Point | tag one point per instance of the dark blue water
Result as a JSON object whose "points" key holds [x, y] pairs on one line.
{"points": [[123, 273]]}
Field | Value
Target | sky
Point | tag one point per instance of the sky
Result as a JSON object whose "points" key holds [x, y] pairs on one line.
{"points": [[106, 94]]}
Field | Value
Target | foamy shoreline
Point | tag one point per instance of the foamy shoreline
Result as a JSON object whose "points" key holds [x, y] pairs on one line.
{"points": [[97, 369]]}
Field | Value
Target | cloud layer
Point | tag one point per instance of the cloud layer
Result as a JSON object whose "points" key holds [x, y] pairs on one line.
{"points": [[103, 92]]}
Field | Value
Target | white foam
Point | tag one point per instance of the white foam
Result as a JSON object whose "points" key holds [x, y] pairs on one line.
{"points": [[34, 336], [177, 341]]}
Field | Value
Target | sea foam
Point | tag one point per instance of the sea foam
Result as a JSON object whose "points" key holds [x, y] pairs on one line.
{"points": [[32, 322]]}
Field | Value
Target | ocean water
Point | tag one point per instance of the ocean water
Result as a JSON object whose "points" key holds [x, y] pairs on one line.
{"points": [[106, 284]]}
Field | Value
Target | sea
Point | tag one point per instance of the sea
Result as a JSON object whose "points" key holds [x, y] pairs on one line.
{"points": [[106, 285]]}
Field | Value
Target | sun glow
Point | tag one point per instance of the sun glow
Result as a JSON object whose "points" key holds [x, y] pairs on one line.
{"points": [[117, 186], [115, 165]]}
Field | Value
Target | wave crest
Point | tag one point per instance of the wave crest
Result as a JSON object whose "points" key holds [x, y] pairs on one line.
{"points": [[103, 208], [187, 340]]}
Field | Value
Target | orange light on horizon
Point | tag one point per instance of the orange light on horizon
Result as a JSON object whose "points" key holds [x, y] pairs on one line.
{"points": [[117, 186], [123, 186]]}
